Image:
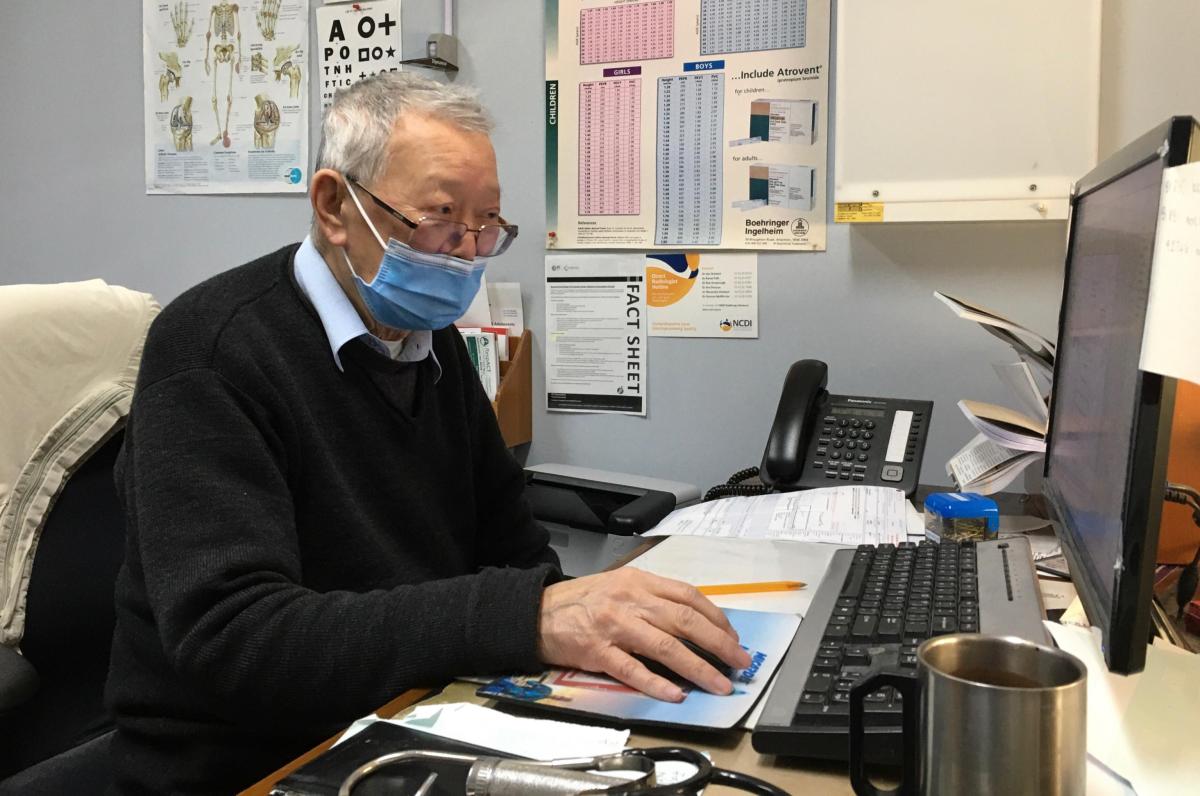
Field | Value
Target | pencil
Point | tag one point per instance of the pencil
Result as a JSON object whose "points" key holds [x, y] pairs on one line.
{"points": [[751, 588]]}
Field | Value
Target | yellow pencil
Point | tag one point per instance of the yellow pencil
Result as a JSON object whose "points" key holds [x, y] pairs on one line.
{"points": [[751, 588]]}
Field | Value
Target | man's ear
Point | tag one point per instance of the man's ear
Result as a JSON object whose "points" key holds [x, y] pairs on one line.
{"points": [[325, 192]]}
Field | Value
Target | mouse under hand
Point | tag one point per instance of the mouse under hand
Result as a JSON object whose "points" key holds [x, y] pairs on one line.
{"points": [[662, 670]]}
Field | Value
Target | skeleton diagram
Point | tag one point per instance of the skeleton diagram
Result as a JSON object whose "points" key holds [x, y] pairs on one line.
{"points": [[267, 16], [181, 125], [284, 66], [223, 21], [182, 24], [258, 63], [173, 75], [266, 122]]}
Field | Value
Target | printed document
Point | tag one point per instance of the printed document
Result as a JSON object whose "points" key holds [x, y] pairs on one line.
{"points": [[838, 515]]}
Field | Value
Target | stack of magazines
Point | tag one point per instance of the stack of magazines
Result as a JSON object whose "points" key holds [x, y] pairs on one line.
{"points": [[1009, 440]]}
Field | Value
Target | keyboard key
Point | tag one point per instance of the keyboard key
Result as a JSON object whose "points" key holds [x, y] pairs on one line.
{"points": [[909, 661], [810, 698], [855, 655], [836, 631], [826, 665], [889, 628], [944, 625], [916, 628], [864, 628], [819, 683]]}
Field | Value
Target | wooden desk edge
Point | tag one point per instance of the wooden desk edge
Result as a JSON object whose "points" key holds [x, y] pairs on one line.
{"points": [[264, 785]]}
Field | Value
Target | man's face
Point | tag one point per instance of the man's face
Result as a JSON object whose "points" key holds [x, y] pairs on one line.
{"points": [[434, 170]]}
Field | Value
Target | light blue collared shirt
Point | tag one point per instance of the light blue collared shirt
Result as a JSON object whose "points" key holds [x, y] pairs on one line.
{"points": [[342, 322]]}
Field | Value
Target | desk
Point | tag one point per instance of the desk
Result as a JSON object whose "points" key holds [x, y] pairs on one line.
{"points": [[729, 749]]}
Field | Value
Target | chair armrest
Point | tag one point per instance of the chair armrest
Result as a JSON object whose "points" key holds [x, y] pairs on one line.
{"points": [[18, 679]]}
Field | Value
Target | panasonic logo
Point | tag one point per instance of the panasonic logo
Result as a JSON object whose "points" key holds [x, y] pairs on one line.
{"points": [[858, 401]]}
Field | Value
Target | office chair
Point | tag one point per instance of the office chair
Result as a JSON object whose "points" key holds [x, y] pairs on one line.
{"points": [[69, 354], [57, 736]]}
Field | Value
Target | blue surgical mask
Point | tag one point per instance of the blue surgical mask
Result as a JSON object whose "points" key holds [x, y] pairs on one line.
{"points": [[413, 289]]}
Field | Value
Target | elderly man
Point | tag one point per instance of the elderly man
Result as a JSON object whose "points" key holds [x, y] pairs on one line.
{"points": [[321, 511]]}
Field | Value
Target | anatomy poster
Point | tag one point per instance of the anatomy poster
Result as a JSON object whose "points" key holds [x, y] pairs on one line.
{"points": [[686, 123], [355, 41], [226, 96], [702, 294]]}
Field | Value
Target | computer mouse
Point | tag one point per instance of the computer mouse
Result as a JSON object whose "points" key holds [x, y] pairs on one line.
{"points": [[662, 670]]}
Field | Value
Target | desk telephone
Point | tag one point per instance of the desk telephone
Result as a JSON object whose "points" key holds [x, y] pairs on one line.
{"points": [[820, 439]]}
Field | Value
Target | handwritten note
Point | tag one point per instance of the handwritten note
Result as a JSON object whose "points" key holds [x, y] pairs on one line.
{"points": [[1172, 336]]}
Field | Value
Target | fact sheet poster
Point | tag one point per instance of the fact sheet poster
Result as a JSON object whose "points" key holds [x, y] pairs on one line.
{"points": [[596, 333], [686, 123], [226, 96]]}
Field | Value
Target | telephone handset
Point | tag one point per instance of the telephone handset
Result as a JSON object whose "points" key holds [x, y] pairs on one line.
{"points": [[820, 439]]}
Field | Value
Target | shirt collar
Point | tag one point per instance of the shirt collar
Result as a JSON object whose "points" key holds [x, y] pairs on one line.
{"points": [[339, 318]]}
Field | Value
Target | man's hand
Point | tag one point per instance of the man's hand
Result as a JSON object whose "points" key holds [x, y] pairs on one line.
{"points": [[597, 623]]}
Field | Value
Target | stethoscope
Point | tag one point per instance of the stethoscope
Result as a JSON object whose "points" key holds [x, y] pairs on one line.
{"points": [[495, 776]]}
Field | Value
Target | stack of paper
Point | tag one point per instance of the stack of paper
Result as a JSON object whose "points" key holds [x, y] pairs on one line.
{"points": [[840, 515], [1029, 345], [1009, 440], [987, 467]]}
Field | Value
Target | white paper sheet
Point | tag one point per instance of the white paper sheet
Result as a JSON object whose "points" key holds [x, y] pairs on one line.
{"points": [[707, 561], [840, 515], [1139, 725], [1172, 336], [538, 739], [1018, 377]]}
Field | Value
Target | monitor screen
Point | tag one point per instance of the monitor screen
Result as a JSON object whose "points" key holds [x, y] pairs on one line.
{"points": [[1106, 448]]}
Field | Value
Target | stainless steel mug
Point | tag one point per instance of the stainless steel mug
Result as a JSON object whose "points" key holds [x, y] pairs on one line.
{"points": [[982, 715]]}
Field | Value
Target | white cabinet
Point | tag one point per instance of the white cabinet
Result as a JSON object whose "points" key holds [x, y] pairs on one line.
{"points": [[963, 110]]}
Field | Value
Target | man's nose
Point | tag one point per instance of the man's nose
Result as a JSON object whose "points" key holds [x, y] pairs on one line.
{"points": [[467, 245]]}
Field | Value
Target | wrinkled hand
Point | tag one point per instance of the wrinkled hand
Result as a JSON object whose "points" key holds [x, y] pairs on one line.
{"points": [[597, 623]]}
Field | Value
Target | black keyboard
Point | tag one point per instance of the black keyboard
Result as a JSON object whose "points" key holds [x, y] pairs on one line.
{"points": [[893, 598]]}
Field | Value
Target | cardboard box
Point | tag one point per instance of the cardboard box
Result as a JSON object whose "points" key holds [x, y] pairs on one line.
{"points": [[514, 398]]}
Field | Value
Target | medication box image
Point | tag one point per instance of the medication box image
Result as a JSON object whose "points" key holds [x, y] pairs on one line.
{"points": [[790, 187], [788, 121]]}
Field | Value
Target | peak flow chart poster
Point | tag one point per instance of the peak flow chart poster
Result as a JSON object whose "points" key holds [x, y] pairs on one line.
{"points": [[695, 124]]}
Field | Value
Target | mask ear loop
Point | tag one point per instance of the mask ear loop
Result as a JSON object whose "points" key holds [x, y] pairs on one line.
{"points": [[370, 226], [363, 213]]}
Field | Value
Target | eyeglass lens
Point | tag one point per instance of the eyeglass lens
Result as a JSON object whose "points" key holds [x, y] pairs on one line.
{"points": [[436, 235]]}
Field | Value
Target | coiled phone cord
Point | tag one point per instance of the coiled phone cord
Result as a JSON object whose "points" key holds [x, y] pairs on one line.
{"points": [[734, 487]]}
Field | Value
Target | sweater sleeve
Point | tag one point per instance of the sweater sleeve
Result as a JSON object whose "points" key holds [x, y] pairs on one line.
{"points": [[509, 536], [211, 519]]}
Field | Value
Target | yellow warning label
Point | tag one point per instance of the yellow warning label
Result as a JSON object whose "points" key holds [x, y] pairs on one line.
{"points": [[844, 212]]}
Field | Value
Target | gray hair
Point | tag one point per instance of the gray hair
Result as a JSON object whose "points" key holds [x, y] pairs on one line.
{"points": [[356, 128]]}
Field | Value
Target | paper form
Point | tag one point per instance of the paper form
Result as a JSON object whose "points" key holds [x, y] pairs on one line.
{"points": [[849, 515], [1139, 725], [1172, 336]]}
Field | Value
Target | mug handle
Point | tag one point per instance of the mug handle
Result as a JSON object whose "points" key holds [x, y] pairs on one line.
{"points": [[909, 687]]}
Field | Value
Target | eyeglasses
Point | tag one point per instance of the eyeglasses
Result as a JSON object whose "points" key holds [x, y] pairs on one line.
{"points": [[440, 235]]}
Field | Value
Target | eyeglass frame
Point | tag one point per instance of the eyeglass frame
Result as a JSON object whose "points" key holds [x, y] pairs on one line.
{"points": [[509, 229]]}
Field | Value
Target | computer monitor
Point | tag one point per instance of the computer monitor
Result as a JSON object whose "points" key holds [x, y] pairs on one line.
{"points": [[1110, 421]]}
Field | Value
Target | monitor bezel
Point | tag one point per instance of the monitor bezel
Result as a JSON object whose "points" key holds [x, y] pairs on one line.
{"points": [[1125, 622]]}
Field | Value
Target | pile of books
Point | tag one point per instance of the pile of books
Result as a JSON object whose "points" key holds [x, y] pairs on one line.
{"points": [[1009, 440]]}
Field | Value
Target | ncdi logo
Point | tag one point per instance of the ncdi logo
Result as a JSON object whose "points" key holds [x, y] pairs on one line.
{"points": [[728, 325]]}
